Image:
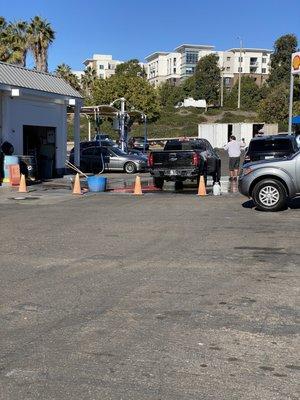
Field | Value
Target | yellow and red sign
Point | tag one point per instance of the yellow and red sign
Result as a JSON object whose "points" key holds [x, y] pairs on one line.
{"points": [[296, 63]]}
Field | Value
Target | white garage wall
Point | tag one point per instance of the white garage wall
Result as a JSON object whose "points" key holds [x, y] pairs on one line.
{"points": [[20, 111]]}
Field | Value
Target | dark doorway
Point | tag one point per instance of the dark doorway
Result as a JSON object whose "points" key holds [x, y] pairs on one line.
{"points": [[256, 129], [229, 132], [39, 143]]}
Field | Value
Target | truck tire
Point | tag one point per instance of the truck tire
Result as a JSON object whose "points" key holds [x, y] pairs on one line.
{"points": [[178, 185], [158, 182], [269, 195]]}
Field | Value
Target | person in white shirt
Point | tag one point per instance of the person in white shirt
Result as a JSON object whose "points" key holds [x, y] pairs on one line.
{"points": [[234, 152]]}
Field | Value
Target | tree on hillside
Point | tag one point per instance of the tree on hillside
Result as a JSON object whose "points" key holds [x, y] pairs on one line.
{"points": [[41, 35], [139, 93], [207, 79], [281, 59], [274, 108], [131, 68], [251, 95], [64, 71], [169, 95]]}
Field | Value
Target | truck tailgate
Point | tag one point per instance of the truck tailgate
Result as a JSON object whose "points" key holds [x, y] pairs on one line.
{"points": [[173, 159]]}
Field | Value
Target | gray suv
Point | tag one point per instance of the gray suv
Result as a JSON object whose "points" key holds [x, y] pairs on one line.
{"points": [[270, 183]]}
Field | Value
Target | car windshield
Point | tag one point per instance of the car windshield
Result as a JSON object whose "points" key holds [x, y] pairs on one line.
{"points": [[271, 145]]}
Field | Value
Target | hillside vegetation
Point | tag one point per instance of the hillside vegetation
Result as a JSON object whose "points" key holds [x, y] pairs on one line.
{"points": [[171, 123]]}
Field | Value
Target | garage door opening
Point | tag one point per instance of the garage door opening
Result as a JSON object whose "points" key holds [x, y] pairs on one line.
{"points": [[39, 143]]}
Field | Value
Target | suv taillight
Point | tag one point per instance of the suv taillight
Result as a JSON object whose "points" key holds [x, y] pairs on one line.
{"points": [[196, 159], [150, 160]]}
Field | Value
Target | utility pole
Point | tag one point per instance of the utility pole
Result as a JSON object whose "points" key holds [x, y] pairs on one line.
{"points": [[145, 132], [240, 74], [122, 125], [291, 103], [222, 87]]}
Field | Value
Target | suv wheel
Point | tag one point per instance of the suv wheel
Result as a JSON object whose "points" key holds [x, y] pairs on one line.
{"points": [[269, 195], [130, 168]]}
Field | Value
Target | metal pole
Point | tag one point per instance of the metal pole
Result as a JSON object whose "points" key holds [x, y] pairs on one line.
{"points": [[240, 74], [145, 133], [291, 103], [89, 123], [122, 115], [222, 88]]}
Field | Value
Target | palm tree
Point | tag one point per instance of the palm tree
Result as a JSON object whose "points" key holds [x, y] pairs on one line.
{"points": [[41, 35], [64, 71], [19, 33], [88, 79]]}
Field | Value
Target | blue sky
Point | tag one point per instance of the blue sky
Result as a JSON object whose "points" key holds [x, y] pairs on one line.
{"points": [[133, 29]]}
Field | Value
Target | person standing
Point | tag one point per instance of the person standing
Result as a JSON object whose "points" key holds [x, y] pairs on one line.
{"points": [[234, 152]]}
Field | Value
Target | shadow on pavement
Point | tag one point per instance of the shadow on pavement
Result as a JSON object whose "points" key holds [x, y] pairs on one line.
{"points": [[294, 203]]}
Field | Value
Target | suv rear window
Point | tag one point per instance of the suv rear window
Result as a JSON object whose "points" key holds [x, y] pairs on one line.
{"points": [[271, 145]]}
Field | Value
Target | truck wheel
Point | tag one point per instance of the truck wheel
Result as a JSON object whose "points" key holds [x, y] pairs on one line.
{"points": [[130, 168], [158, 182], [269, 195], [178, 185]]}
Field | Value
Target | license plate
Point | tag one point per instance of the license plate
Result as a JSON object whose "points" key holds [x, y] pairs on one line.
{"points": [[173, 172], [268, 157]]}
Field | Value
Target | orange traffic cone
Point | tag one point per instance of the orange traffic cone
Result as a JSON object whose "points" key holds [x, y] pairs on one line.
{"points": [[201, 188], [22, 186], [137, 186], [76, 187]]}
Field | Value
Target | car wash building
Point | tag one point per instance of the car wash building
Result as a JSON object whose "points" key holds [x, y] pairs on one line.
{"points": [[33, 116]]}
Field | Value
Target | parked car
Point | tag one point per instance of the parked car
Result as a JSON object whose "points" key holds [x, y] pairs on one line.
{"points": [[270, 147], [184, 159], [138, 143], [105, 140], [270, 183], [93, 156]]}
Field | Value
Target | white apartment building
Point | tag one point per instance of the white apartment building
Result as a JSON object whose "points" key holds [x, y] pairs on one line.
{"points": [[181, 63], [163, 66], [103, 64]]}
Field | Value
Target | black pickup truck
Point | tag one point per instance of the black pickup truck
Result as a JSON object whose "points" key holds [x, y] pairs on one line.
{"points": [[184, 159]]}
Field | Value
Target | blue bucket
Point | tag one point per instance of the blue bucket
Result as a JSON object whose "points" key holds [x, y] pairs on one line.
{"points": [[96, 183]]}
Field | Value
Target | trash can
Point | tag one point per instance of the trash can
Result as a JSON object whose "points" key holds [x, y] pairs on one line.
{"points": [[96, 183]]}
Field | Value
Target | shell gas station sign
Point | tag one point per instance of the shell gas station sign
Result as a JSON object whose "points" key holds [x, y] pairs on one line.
{"points": [[296, 63]]}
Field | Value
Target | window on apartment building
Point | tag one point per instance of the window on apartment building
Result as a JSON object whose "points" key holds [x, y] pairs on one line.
{"points": [[228, 58], [174, 61], [240, 59], [264, 60], [240, 69], [189, 70], [174, 70], [101, 76], [227, 68], [101, 66], [263, 70], [191, 57], [227, 81]]}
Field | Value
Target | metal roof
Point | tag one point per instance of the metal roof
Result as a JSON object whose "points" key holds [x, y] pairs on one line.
{"points": [[20, 77]]}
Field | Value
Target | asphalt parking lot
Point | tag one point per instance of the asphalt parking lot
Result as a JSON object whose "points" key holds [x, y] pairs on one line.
{"points": [[162, 296]]}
